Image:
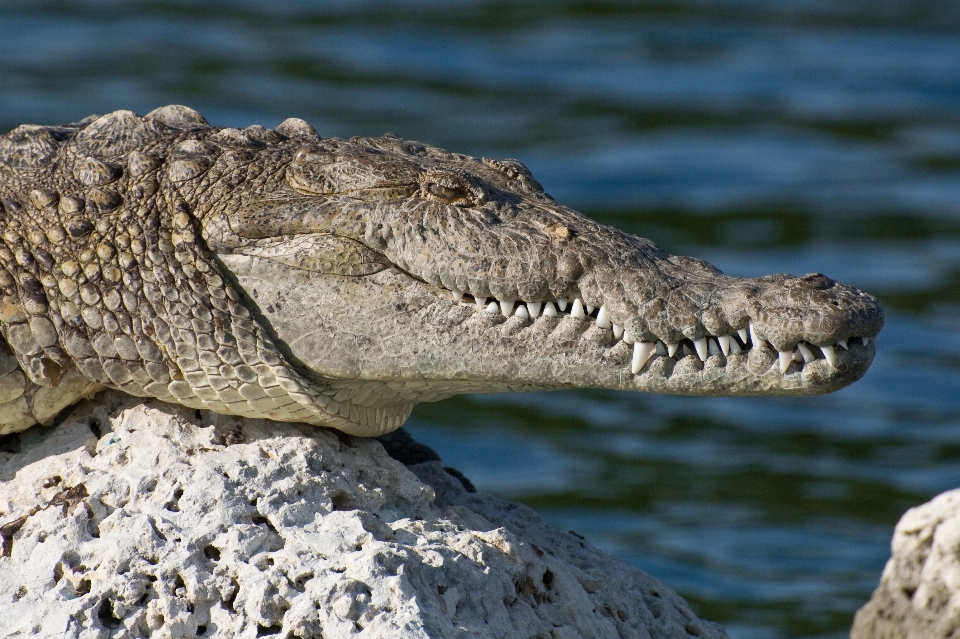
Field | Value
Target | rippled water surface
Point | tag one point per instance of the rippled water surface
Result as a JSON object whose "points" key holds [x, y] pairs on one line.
{"points": [[762, 136]]}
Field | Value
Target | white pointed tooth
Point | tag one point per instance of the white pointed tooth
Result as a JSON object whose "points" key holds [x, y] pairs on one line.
{"points": [[753, 335], [589, 309], [534, 309], [603, 320], [797, 355], [562, 303], [549, 310], [481, 302], [712, 347], [785, 358], [866, 341], [735, 347], [701, 346], [742, 332], [628, 337], [808, 355], [493, 307], [506, 307], [577, 309], [661, 348], [617, 331], [457, 295], [672, 349], [522, 312], [641, 353], [830, 354], [724, 341], [843, 343]]}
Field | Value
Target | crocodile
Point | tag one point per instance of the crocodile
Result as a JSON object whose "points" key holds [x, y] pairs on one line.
{"points": [[276, 273]]}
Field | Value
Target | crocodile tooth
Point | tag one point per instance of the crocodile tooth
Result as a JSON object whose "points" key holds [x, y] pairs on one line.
{"points": [[724, 341], [808, 355], [628, 337], [735, 347], [522, 312], [481, 302], [506, 306], [712, 347], [641, 353], [866, 340], [797, 355], [493, 307], [590, 309], [457, 295], [617, 331], [843, 343], [661, 348], [577, 309], [549, 310], [534, 309], [742, 332], [753, 334], [672, 349], [701, 346], [830, 354], [785, 358], [603, 320], [562, 303]]}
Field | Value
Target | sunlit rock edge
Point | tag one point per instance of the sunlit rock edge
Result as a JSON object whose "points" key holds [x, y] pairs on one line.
{"points": [[919, 592], [137, 518]]}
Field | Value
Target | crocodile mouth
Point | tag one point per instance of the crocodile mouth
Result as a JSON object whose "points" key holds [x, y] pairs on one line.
{"points": [[742, 341]]}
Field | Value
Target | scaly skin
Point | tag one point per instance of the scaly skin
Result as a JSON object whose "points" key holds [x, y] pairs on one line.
{"points": [[338, 282]]}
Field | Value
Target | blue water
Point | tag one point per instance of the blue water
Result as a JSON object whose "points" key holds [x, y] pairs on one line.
{"points": [[763, 136]]}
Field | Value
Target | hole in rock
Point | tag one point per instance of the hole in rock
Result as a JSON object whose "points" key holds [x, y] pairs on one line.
{"points": [[263, 631], [340, 500], [212, 553], [173, 505], [228, 602], [83, 587], [201, 630], [94, 425], [548, 579], [263, 521], [106, 616]]}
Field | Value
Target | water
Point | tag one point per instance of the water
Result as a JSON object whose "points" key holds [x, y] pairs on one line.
{"points": [[762, 136]]}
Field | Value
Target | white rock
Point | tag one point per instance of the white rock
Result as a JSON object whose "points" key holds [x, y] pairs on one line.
{"points": [[919, 592], [162, 521]]}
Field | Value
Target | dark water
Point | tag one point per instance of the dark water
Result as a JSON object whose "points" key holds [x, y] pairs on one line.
{"points": [[762, 136]]}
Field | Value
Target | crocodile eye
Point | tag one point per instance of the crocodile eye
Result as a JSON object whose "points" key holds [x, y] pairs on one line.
{"points": [[447, 193]]}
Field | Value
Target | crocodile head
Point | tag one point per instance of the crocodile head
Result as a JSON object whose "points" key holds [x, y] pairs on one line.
{"points": [[398, 272], [276, 274]]}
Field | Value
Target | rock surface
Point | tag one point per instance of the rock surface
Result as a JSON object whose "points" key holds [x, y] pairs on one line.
{"points": [[136, 519], [919, 592]]}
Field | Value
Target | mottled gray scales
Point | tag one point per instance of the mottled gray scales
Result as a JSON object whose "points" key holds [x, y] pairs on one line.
{"points": [[278, 274]]}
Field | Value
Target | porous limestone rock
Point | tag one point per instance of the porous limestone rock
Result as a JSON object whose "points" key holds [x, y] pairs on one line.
{"points": [[137, 519], [919, 592]]}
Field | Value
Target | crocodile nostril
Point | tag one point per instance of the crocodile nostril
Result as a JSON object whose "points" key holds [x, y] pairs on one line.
{"points": [[817, 281]]}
